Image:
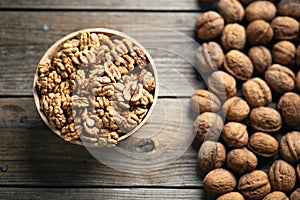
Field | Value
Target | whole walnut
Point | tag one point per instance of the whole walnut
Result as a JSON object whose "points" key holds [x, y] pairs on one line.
{"points": [[209, 25], [222, 84], [282, 176], [289, 106], [281, 79], [264, 10], [208, 126], [297, 60], [265, 119], [259, 32], [211, 155], [219, 181], [231, 196], [285, 28], [238, 64], [235, 109], [257, 92], [210, 57], [290, 147], [295, 195], [283, 52], [231, 10], [289, 8], [261, 58], [241, 160], [276, 195], [235, 134], [233, 37], [254, 185], [204, 101], [263, 144]]}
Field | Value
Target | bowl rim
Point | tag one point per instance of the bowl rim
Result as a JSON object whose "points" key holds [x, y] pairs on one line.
{"points": [[48, 55]]}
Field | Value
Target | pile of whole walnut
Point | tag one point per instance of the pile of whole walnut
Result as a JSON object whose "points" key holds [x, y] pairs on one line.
{"points": [[96, 88], [250, 115]]}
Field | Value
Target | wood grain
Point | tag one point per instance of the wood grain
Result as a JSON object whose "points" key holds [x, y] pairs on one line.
{"points": [[102, 193], [23, 42], [144, 5], [37, 157]]}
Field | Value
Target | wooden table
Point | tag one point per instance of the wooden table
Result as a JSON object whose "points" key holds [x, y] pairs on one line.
{"points": [[41, 165]]}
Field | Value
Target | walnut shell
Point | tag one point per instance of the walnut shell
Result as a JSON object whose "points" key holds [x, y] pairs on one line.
{"points": [[289, 8], [285, 28], [209, 25], [263, 144], [261, 58], [235, 109], [211, 155], [297, 60], [283, 52], [265, 119], [235, 134], [254, 185], [231, 10], [298, 171], [233, 37], [281, 79], [231, 196], [208, 126], [257, 92], [298, 80], [276, 195], [259, 32], [282, 176], [238, 64], [290, 147], [264, 10], [241, 160], [210, 57], [295, 195], [219, 181], [289, 106], [204, 101], [222, 84]]}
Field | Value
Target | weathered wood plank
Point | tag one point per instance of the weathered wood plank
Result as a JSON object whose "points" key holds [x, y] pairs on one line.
{"points": [[37, 157], [23, 42], [102, 193], [171, 5]]}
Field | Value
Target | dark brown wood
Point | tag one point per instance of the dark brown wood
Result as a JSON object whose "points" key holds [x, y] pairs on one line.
{"points": [[37, 157], [23, 42], [102, 193], [171, 5]]}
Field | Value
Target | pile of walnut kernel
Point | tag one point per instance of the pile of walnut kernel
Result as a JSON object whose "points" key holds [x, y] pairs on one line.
{"points": [[96, 88], [251, 56]]}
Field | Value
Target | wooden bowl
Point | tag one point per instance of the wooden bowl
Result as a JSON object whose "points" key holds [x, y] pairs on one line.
{"points": [[111, 33]]}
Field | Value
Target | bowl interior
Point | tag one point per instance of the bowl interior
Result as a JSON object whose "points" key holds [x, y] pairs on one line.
{"points": [[111, 33]]}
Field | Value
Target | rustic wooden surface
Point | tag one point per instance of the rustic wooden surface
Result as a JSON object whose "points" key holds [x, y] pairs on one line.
{"points": [[41, 165]]}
